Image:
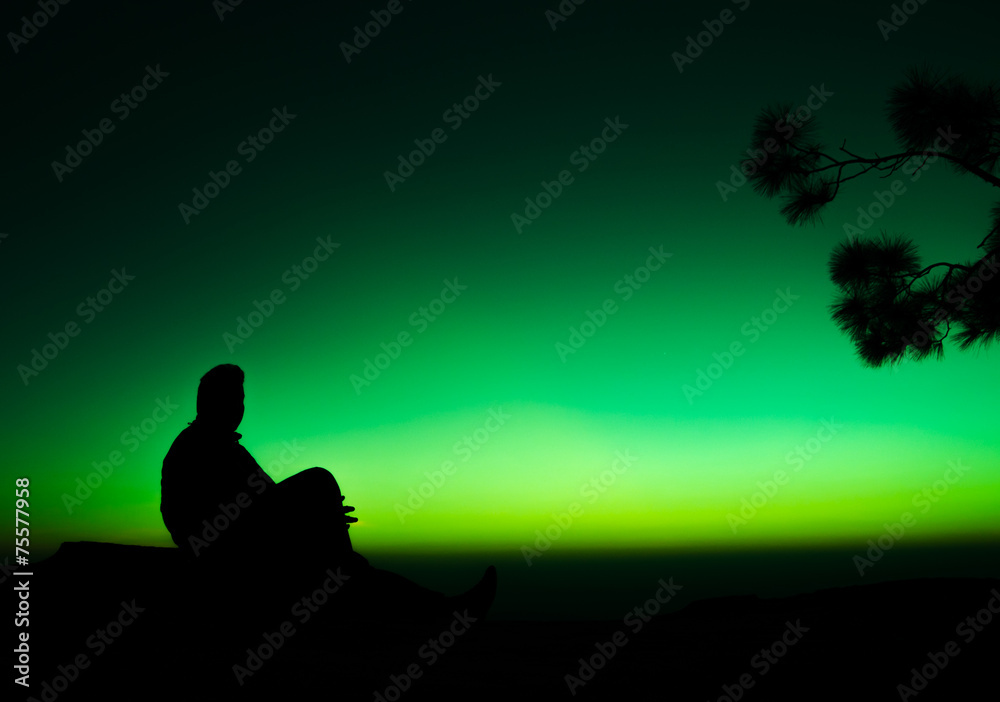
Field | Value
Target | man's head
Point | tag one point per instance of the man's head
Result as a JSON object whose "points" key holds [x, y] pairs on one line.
{"points": [[220, 397]]}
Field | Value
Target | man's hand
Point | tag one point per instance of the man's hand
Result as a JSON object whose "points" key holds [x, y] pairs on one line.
{"points": [[346, 509]]}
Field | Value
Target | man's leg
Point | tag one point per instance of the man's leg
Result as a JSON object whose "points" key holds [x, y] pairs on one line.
{"points": [[303, 518], [378, 593]]}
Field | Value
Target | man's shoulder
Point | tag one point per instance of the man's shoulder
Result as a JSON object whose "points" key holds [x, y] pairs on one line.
{"points": [[192, 439], [188, 434]]}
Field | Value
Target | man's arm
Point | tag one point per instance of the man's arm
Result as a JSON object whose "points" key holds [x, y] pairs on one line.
{"points": [[256, 477]]}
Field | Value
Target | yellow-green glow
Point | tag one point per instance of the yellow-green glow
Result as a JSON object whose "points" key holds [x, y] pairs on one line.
{"points": [[545, 463]]}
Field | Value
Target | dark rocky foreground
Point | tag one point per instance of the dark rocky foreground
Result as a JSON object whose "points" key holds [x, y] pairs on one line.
{"points": [[113, 622]]}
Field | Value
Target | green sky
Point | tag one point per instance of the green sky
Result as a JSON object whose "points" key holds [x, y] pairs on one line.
{"points": [[869, 442]]}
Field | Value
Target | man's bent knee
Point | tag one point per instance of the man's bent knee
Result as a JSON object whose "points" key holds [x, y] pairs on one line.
{"points": [[315, 478]]}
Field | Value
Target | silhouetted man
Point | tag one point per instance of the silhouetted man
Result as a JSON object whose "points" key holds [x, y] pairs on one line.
{"points": [[222, 509]]}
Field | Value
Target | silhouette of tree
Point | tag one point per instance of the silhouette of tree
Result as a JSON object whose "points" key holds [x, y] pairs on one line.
{"points": [[889, 304]]}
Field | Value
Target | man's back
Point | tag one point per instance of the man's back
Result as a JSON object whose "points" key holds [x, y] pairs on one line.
{"points": [[203, 469]]}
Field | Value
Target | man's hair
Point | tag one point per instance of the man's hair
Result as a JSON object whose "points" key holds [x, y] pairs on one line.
{"points": [[217, 385]]}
